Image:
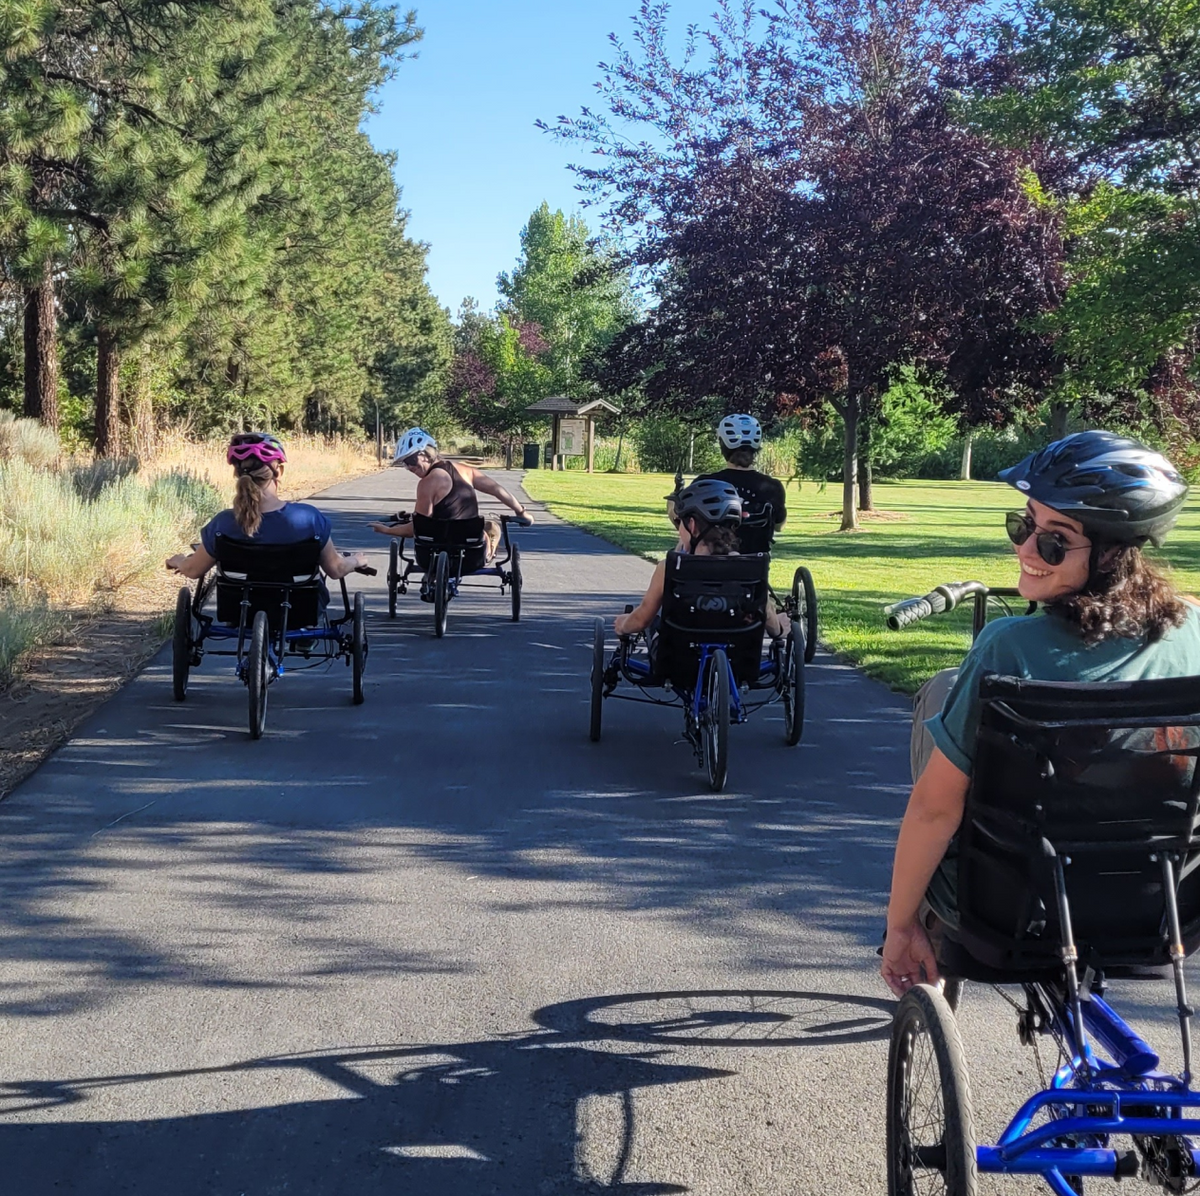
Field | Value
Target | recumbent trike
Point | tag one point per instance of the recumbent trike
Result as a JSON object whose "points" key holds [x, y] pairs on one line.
{"points": [[270, 605], [706, 650], [1078, 863], [446, 552]]}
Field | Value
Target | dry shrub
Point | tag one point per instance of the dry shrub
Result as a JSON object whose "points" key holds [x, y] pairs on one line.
{"points": [[29, 441]]}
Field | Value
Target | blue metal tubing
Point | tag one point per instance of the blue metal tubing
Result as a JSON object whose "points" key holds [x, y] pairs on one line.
{"points": [[736, 713], [639, 667], [1016, 1136], [1132, 1054], [313, 633], [1085, 1161]]}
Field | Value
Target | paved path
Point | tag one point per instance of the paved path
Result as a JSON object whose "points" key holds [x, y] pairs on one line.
{"points": [[433, 944]]}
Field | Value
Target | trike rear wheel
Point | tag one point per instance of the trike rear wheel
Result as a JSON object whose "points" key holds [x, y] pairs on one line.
{"points": [[714, 721], [930, 1128], [441, 593], [516, 581], [181, 644], [258, 667], [804, 604], [359, 646], [792, 664], [597, 680]]}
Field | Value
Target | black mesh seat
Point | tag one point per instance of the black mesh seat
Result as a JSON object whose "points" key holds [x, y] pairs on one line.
{"points": [[711, 600], [270, 576], [757, 532], [1103, 778], [458, 537]]}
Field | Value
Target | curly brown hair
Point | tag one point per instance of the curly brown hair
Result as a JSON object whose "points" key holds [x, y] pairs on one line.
{"points": [[721, 541], [1126, 597]]}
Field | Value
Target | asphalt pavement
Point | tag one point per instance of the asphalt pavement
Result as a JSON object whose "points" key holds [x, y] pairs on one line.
{"points": [[442, 943]]}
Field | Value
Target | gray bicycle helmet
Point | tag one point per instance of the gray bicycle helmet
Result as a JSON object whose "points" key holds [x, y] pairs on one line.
{"points": [[712, 500], [1120, 491]]}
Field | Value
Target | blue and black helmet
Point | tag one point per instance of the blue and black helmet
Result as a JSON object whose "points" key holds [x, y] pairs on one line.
{"points": [[1121, 491]]}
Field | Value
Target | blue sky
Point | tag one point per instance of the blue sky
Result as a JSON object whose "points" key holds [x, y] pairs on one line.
{"points": [[461, 120]]}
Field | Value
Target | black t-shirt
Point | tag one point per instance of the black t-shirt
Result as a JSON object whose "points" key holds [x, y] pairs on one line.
{"points": [[758, 490]]}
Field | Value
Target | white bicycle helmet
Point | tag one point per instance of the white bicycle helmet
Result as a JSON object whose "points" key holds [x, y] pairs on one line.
{"points": [[740, 431], [413, 441]]}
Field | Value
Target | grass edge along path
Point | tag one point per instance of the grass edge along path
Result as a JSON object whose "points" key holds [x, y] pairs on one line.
{"points": [[923, 534]]}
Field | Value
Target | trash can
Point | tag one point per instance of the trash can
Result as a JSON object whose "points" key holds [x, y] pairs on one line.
{"points": [[530, 455]]}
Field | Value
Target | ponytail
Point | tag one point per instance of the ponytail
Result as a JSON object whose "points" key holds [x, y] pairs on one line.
{"points": [[247, 501]]}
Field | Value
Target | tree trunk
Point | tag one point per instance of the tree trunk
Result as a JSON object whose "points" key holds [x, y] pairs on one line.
{"points": [[139, 405], [864, 465], [691, 450], [850, 466], [620, 441], [41, 352], [108, 364], [964, 469], [1060, 412]]}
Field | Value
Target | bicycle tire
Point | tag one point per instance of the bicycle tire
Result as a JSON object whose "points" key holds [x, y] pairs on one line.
{"points": [[516, 581], [715, 720], [393, 577], [926, 1047], [358, 646], [804, 603], [181, 644], [441, 593], [257, 674], [597, 710], [793, 685]]}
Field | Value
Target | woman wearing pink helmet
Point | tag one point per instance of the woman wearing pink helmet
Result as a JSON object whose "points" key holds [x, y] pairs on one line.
{"points": [[259, 515]]}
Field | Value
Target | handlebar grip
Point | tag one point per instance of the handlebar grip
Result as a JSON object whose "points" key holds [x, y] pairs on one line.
{"points": [[629, 608], [524, 521], [910, 611], [367, 569]]}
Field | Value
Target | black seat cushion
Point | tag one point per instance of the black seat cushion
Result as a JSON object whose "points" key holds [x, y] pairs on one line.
{"points": [[269, 576], [458, 537], [1105, 777], [712, 600]]}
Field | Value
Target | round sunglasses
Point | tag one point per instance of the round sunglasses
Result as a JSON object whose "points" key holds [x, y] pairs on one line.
{"points": [[1051, 546]]}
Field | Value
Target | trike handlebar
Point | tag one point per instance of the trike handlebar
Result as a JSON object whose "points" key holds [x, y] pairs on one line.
{"points": [[943, 598], [522, 520], [367, 569]]}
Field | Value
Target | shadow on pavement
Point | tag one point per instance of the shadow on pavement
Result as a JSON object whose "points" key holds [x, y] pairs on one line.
{"points": [[537, 1112]]}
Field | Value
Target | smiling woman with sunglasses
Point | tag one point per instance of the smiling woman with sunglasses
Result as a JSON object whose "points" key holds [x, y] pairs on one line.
{"points": [[1093, 501]]}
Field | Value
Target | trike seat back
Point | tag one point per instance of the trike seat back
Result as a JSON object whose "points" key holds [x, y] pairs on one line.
{"points": [[269, 575], [712, 600], [1103, 777], [757, 531], [458, 537]]}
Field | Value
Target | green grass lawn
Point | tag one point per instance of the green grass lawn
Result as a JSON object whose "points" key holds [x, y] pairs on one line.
{"points": [[927, 533]]}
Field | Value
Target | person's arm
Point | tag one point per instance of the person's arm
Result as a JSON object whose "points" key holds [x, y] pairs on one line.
{"points": [[779, 507], [487, 485], [336, 565], [431, 489], [643, 614], [934, 814], [193, 565]]}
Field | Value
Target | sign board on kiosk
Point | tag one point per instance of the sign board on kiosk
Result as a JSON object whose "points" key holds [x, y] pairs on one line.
{"points": [[572, 437]]}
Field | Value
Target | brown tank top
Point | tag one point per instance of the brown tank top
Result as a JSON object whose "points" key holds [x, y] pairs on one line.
{"points": [[461, 502]]}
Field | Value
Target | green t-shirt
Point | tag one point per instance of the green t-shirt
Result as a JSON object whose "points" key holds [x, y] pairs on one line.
{"points": [[1042, 648], [1048, 648]]}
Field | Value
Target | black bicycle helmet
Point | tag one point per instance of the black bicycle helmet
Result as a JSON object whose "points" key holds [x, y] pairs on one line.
{"points": [[712, 500], [1120, 491]]}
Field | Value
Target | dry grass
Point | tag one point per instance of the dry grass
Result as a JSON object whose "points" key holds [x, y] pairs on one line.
{"points": [[314, 462], [73, 533]]}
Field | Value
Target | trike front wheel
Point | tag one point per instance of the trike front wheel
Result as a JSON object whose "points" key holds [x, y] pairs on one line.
{"points": [[358, 646], [930, 1127], [714, 720], [258, 666], [181, 644]]}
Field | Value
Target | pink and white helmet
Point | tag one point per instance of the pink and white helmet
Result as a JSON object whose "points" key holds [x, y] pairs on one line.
{"points": [[254, 446]]}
